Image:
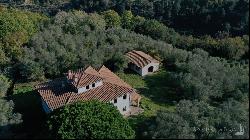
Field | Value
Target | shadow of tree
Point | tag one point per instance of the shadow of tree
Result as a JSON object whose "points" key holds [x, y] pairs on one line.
{"points": [[161, 88], [129, 71], [141, 124], [34, 119], [9, 131]]}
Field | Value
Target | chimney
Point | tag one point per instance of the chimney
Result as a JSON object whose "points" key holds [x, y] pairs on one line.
{"points": [[69, 73], [75, 78]]}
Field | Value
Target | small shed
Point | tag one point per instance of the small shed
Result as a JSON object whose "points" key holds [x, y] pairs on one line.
{"points": [[142, 63]]}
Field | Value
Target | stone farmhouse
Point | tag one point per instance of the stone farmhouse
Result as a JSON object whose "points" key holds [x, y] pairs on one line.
{"points": [[142, 63], [88, 84]]}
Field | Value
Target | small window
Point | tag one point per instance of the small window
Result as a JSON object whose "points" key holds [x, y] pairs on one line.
{"points": [[115, 100], [87, 87], [125, 108], [93, 85], [125, 96]]}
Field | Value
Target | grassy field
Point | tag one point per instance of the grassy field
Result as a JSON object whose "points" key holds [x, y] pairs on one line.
{"points": [[156, 95], [155, 92]]}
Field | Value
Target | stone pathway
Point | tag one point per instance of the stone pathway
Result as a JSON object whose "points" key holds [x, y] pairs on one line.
{"points": [[134, 111]]}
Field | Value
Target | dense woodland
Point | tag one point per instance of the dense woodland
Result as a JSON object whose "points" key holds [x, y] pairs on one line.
{"points": [[200, 16], [203, 46]]}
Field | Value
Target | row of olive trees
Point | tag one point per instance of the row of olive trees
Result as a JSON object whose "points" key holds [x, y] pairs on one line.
{"points": [[215, 98], [199, 120], [199, 17], [223, 46], [73, 40], [76, 39], [16, 29], [191, 16]]}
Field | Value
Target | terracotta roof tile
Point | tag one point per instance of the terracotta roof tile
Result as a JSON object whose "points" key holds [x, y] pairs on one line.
{"points": [[58, 93], [92, 71], [110, 77], [140, 58], [82, 78]]}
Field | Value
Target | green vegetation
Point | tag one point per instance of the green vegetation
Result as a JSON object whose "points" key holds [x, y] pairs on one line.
{"points": [[232, 48], [203, 83], [150, 103], [8, 118], [16, 28], [197, 119], [189, 16], [28, 103], [101, 120], [154, 98], [112, 18], [5, 84]]}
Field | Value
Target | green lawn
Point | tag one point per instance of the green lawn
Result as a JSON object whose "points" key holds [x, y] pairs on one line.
{"points": [[157, 94]]}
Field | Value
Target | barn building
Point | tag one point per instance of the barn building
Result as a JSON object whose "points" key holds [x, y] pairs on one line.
{"points": [[142, 63]]}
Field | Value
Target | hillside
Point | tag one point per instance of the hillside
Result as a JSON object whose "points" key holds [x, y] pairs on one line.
{"points": [[200, 92]]}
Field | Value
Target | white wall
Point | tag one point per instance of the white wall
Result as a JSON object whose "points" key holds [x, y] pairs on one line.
{"points": [[121, 103], [83, 89], [145, 69]]}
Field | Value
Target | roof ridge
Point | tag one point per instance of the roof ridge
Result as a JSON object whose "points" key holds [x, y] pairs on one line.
{"points": [[79, 79], [115, 76], [103, 66], [134, 56], [89, 67], [69, 99], [141, 55]]}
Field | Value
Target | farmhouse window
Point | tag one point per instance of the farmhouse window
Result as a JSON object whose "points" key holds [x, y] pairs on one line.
{"points": [[125, 96]]}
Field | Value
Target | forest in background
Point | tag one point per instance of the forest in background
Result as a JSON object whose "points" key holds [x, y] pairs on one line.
{"points": [[208, 66], [195, 17]]}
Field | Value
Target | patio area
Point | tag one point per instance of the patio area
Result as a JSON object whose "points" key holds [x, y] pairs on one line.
{"points": [[134, 111]]}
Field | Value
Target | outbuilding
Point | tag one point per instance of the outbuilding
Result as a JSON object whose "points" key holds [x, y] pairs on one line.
{"points": [[142, 63]]}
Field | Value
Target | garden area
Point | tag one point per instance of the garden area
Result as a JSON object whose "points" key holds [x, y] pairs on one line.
{"points": [[157, 94]]}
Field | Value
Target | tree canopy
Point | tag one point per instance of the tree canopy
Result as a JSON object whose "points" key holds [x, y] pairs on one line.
{"points": [[89, 120], [16, 28], [203, 46], [7, 116]]}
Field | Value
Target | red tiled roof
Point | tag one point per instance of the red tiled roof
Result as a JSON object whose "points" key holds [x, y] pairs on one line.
{"points": [[82, 78], [92, 71], [110, 77], [140, 59], [56, 96]]}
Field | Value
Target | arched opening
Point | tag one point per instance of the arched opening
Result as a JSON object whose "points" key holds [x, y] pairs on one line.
{"points": [[151, 69]]}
